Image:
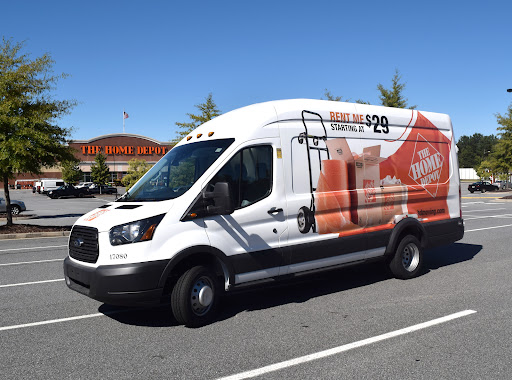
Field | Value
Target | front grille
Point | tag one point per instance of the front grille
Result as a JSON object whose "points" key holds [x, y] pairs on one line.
{"points": [[83, 244]]}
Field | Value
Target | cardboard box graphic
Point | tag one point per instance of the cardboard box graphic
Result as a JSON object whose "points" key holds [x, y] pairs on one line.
{"points": [[339, 150], [394, 198], [372, 201], [367, 174]]}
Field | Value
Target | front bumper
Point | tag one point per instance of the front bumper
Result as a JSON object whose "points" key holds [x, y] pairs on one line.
{"points": [[124, 284]]}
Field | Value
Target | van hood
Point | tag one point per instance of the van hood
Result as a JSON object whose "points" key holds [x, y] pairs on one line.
{"points": [[116, 213]]}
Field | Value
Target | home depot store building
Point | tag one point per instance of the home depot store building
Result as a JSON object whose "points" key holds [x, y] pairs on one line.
{"points": [[119, 148]]}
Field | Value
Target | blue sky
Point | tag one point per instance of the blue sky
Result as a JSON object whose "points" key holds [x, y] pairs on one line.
{"points": [[157, 59]]}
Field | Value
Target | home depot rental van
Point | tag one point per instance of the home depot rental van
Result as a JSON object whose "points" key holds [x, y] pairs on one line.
{"points": [[269, 191]]}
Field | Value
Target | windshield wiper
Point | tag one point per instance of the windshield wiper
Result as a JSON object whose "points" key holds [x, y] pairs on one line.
{"points": [[122, 198]]}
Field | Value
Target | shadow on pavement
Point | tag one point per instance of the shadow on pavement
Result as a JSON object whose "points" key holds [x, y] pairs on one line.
{"points": [[297, 290], [56, 216]]}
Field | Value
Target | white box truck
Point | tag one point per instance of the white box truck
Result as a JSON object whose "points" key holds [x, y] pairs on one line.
{"points": [[268, 192]]}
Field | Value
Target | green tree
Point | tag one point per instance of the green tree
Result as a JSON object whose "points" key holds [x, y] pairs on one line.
{"points": [[100, 173], [393, 97], [136, 169], [502, 152], [71, 172], [475, 149], [208, 111], [30, 138], [333, 98]]}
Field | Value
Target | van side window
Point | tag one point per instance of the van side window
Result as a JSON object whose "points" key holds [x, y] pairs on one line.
{"points": [[249, 174]]}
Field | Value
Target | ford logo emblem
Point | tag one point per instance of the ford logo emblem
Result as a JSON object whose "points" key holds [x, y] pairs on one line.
{"points": [[78, 243]]}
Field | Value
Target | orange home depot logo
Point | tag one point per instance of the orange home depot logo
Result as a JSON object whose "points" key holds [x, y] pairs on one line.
{"points": [[95, 215], [426, 165], [369, 191], [110, 150]]}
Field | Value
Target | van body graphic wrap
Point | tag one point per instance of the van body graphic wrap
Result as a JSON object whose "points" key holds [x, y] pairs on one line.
{"points": [[362, 191]]}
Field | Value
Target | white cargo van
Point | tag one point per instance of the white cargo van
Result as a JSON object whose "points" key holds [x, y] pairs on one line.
{"points": [[50, 184], [273, 191]]}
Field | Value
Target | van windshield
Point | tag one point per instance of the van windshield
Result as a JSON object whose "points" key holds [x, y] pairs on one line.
{"points": [[177, 171]]}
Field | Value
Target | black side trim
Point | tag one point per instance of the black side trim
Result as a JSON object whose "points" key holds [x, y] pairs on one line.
{"points": [[327, 248], [254, 261]]}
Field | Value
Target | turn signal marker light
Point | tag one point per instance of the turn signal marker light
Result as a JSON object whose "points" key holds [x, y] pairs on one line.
{"points": [[189, 137], [210, 134], [199, 135]]}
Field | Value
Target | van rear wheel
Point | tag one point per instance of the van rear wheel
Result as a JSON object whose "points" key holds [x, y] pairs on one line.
{"points": [[195, 296], [408, 258]]}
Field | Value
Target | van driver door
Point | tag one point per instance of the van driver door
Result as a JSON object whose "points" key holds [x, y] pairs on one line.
{"points": [[253, 234]]}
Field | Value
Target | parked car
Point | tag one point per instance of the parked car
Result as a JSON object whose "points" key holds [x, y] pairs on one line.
{"points": [[95, 189], [16, 206], [68, 191], [482, 186]]}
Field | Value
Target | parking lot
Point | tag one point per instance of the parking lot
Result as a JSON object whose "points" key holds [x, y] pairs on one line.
{"points": [[452, 322]]}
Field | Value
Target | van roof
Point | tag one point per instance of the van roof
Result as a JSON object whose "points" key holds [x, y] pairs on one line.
{"points": [[259, 120]]}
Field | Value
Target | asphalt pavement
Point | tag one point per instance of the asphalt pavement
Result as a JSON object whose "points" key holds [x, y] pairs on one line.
{"points": [[44, 211], [452, 322]]}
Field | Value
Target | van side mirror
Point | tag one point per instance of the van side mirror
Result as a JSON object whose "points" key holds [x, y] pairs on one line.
{"points": [[222, 200]]}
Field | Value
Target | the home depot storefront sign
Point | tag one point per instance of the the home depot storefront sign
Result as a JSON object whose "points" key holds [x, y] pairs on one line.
{"points": [[124, 150]]}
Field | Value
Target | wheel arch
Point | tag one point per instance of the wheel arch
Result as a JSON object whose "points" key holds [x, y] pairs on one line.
{"points": [[407, 226], [197, 255]]}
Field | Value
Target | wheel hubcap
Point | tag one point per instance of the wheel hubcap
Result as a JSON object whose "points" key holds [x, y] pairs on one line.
{"points": [[201, 296], [410, 257], [301, 220]]}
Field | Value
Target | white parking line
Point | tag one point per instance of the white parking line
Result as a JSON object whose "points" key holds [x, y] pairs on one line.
{"points": [[29, 248], [488, 216], [346, 347], [30, 283], [489, 209], [488, 228], [31, 262], [64, 319]]}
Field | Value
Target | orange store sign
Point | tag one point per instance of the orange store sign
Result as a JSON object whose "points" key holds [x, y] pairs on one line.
{"points": [[124, 150]]}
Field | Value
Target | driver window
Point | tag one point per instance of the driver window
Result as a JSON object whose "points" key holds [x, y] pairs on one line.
{"points": [[249, 174]]}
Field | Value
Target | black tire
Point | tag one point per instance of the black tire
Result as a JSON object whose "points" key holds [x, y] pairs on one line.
{"points": [[15, 210], [304, 220], [471, 191], [80, 195], [482, 190], [408, 258], [195, 297]]}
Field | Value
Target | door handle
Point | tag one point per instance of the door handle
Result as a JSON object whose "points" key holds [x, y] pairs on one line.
{"points": [[274, 210]]}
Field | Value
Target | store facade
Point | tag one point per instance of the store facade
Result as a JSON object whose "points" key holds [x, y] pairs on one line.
{"points": [[119, 149]]}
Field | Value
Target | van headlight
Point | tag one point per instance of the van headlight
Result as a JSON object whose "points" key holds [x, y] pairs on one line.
{"points": [[140, 230]]}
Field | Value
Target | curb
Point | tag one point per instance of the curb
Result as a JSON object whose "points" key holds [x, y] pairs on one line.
{"points": [[31, 235]]}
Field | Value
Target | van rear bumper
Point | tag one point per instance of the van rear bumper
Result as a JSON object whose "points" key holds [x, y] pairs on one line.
{"points": [[444, 232], [124, 285]]}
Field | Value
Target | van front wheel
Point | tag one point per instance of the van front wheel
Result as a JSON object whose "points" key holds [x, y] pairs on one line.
{"points": [[406, 263], [195, 296]]}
